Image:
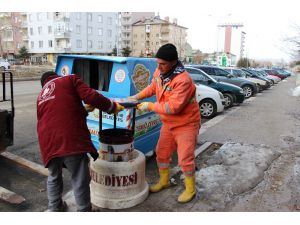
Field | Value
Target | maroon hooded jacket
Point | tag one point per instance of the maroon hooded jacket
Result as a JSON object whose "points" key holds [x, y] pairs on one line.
{"points": [[61, 125]]}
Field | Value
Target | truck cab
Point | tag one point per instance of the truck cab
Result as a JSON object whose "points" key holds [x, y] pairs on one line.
{"points": [[116, 78]]}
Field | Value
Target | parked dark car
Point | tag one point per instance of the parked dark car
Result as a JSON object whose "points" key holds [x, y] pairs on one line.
{"points": [[222, 75], [232, 93]]}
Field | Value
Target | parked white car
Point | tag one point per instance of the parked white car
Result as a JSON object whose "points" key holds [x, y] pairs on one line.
{"points": [[210, 101], [4, 65]]}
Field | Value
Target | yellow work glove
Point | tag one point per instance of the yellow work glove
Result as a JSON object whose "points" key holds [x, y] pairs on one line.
{"points": [[144, 106], [118, 108], [89, 108]]}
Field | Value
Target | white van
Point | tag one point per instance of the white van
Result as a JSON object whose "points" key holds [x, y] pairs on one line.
{"points": [[4, 65], [210, 101]]}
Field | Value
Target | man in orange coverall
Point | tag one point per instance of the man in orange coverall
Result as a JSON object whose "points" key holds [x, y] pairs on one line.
{"points": [[180, 115]]}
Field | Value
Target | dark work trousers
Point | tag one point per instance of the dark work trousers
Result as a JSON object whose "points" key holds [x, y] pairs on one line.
{"points": [[78, 166]]}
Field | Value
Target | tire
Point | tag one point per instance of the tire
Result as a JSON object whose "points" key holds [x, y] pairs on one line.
{"points": [[259, 88], [228, 100], [248, 91], [208, 108]]}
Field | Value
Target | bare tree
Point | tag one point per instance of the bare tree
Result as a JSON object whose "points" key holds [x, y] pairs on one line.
{"points": [[293, 43]]}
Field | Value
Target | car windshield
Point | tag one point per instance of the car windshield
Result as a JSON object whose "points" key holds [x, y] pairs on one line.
{"points": [[198, 75]]}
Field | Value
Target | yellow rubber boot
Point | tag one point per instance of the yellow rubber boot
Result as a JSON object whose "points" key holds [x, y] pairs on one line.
{"points": [[190, 190], [163, 182]]}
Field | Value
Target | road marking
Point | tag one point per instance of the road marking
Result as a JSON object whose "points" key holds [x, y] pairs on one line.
{"points": [[10, 196], [31, 165]]}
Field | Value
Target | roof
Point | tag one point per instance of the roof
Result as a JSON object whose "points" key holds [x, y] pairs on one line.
{"points": [[155, 20], [114, 59]]}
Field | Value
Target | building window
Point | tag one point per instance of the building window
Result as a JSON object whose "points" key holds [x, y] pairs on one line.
{"points": [[109, 33], [109, 21], [109, 45], [78, 16], [89, 16], [100, 31], [39, 16], [30, 17], [40, 44], [157, 43], [90, 44], [135, 36], [50, 43], [78, 29], [78, 43], [49, 30], [90, 30], [31, 31], [100, 18], [49, 15], [32, 44], [100, 44], [40, 30]]}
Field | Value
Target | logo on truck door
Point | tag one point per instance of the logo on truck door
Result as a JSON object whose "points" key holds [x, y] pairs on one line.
{"points": [[140, 77]]}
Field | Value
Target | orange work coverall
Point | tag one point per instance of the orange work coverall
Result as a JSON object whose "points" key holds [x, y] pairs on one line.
{"points": [[180, 115]]}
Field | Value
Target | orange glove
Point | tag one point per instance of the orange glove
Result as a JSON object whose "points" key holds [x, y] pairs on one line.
{"points": [[146, 106], [89, 108]]}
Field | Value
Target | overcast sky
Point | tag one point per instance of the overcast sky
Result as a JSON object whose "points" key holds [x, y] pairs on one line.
{"points": [[266, 23]]}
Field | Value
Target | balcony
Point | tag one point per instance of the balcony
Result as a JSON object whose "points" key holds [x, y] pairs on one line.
{"points": [[126, 38], [164, 38], [25, 38], [24, 24], [165, 30], [61, 19], [62, 35], [62, 49]]}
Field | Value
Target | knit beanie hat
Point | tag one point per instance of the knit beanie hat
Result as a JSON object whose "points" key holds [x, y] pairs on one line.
{"points": [[167, 52], [46, 75]]}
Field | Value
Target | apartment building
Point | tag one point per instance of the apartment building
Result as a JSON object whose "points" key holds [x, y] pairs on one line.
{"points": [[13, 33], [52, 33], [150, 34], [126, 19]]}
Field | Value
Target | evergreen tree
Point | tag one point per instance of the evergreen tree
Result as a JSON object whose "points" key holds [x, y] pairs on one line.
{"points": [[126, 51]]}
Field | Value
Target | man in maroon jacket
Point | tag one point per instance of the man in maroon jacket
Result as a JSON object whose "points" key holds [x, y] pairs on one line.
{"points": [[64, 137]]}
